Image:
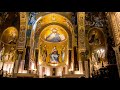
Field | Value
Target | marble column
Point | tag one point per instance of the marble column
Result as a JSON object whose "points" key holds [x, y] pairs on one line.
{"points": [[51, 69], [1, 65], [17, 64], [10, 67], [47, 71], [66, 69], [40, 72], [59, 71], [21, 66], [72, 61], [86, 64], [113, 18], [80, 67], [117, 54]]}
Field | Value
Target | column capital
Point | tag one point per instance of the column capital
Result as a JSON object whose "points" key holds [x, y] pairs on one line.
{"points": [[20, 51]]}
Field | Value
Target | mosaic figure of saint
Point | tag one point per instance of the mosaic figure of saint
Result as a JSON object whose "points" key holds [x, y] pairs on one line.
{"points": [[40, 47], [54, 56], [32, 18], [12, 38], [97, 22], [6, 57], [96, 57], [44, 53], [94, 39], [63, 54], [12, 54]]}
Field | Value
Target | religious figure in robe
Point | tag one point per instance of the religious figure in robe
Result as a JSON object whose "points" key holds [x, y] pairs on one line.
{"points": [[63, 54], [54, 56], [98, 22], [94, 39], [32, 18], [94, 62], [6, 57], [55, 36], [9, 58], [44, 53], [40, 48], [12, 54], [96, 57]]}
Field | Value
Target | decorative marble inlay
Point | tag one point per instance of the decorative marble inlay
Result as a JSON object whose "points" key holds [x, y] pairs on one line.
{"points": [[81, 31], [22, 32]]}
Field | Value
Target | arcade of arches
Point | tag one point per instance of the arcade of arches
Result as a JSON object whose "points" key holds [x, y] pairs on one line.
{"points": [[60, 44]]}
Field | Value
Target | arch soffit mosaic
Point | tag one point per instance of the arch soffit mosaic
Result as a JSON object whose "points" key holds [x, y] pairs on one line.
{"points": [[46, 21], [54, 18], [62, 21], [67, 30]]}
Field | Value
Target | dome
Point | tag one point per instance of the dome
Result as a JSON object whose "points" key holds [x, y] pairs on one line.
{"points": [[10, 35]]}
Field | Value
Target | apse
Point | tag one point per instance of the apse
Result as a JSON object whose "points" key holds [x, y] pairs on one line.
{"points": [[54, 33], [10, 35], [53, 42]]}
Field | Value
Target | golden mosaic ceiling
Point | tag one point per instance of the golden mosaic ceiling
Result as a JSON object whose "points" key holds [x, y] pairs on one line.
{"points": [[54, 18]]}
